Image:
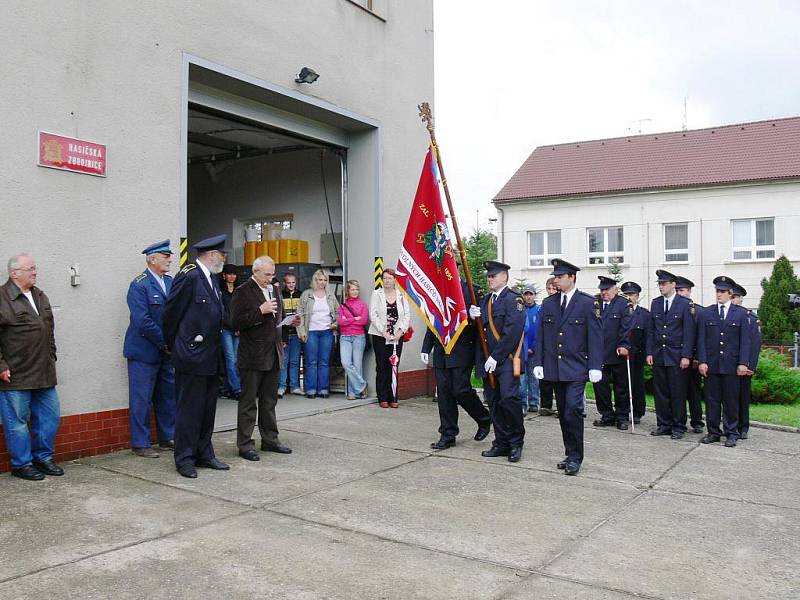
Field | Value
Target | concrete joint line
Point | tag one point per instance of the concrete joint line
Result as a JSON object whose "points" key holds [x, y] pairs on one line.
{"points": [[724, 498], [370, 444], [592, 586], [126, 546], [669, 469]]}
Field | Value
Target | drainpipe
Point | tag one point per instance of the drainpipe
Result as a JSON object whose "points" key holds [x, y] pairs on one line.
{"points": [[500, 234]]}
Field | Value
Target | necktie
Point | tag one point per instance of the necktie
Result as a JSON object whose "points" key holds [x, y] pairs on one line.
{"points": [[721, 312], [605, 306], [666, 306], [163, 285], [563, 303]]}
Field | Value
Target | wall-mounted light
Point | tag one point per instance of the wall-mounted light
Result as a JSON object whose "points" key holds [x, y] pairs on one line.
{"points": [[306, 75]]}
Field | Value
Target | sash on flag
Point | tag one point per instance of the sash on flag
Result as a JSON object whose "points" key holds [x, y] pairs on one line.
{"points": [[427, 270]]}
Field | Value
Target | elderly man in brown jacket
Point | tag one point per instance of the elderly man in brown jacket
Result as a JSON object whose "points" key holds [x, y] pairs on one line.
{"points": [[256, 312], [28, 372]]}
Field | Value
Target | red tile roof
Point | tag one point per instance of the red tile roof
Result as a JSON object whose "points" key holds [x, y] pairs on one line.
{"points": [[762, 150]]}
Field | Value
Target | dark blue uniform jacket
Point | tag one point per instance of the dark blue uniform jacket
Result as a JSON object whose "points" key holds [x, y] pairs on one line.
{"points": [[672, 336], [508, 316], [617, 321], [724, 345], [144, 339]]}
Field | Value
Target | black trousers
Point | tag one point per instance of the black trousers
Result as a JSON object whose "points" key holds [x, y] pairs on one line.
{"points": [[454, 389], [257, 404], [383, 368], [694, 395], [616, 376], [744, 403], [504, 403], [194, 418], [722, 396], [546, 389], [669, 384], [569, 400], [637, 384]]}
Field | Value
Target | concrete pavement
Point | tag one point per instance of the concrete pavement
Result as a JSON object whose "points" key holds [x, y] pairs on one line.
{"points": [[364, 509]]}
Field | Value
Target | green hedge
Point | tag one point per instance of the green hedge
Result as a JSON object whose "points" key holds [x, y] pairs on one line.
{"points": [[774, 382]]}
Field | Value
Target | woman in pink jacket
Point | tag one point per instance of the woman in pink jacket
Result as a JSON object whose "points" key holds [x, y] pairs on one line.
{"points": [[353, 318]]}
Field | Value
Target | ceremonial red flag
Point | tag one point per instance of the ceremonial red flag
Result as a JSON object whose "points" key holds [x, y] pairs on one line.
{"points": [[427, 270]]}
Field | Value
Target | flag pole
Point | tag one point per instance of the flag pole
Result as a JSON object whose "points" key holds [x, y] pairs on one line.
{"points": [[427, 117]]}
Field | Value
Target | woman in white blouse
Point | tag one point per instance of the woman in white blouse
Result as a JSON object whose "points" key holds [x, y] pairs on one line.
{"points": [[389, 316], [318, 310]]}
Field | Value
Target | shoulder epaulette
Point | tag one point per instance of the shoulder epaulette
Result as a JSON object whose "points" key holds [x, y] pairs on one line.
{"points": [[187, 268], [596, 300], [139, 277], [692, 308]]}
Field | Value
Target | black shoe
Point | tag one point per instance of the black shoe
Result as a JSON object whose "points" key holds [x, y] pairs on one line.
{"points": [[250, 455], [483, 431], [187, 471], [697, 429], [742, 435], [603, 423], [515, 454], [677, 435], [660, 431], [545, 412], [562, 465], [310, 396], [443, 443], [279, 448], [213, 463], [48, 467], [493, 452], [323, 395], [730, 442], [637, 420], [167, 444], [571, 468], [710, 439], [28, 472], [622, 425]]}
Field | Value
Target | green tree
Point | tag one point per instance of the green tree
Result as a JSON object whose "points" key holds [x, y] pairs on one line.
{"points": [[480, 246], [519, 285], [778, 320], [615, 271]]}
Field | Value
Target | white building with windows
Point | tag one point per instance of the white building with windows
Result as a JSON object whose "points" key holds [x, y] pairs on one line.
{"points": [[700, 203]]}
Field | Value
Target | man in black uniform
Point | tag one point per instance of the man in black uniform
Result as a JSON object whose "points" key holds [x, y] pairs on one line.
{"points": [[755, 349], [569, 350], [453, 385], [694, 388], [616, 317], [641, 325], [193, 332], [504, 320], [670, 346]]}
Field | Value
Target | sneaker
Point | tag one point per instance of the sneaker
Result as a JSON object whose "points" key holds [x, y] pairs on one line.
{"points": [[297, 391], [281, 392]]}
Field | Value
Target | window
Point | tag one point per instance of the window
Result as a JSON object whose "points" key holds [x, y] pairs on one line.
{"points": [[753, 239], [676, 242], [606, 245], [542, 246], [265, 224]]}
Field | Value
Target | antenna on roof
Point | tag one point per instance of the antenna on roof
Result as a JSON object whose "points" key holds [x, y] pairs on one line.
{"points": [[685, 125], [639, 123]]}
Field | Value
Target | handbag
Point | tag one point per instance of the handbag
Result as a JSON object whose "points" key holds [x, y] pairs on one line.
{"points": [[406, 337]]}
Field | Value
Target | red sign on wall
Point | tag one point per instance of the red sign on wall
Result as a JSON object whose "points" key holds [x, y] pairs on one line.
{"points": [[70, 154]]}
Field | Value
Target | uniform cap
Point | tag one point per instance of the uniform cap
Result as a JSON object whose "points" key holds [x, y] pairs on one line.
{"points": [[663, 276], [562, 267], [213, 243], [494, 267], [738, 290], [606, 282], [630, 287], [683, 283], [161, 247], [724, 282]]}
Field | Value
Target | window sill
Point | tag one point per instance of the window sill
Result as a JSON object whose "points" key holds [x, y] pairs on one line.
{"points": [[372, 12], [676, 262], [730, 261]]}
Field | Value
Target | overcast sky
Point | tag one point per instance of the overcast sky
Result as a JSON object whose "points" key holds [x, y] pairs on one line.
{"points": [[515, 74]]}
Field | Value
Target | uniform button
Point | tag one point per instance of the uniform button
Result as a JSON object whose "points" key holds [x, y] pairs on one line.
{"points": [[559, 356], [665, 326], [663, 336], [560, 345], [721, 352], [721, 343], [722, 333], [663, 345], [560, 333]]}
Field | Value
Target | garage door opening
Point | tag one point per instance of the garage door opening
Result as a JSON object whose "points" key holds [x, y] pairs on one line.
{"points": [[272, 192]]}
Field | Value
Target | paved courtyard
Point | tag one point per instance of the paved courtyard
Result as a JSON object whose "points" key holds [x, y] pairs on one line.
{"points": [[364, 509]]}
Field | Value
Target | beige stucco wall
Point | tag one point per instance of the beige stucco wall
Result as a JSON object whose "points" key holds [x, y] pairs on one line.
{"points": [[112, 72], [708, 213]]}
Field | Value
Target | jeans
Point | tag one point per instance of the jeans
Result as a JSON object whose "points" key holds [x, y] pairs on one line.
{"points": [[43, 409], [529, 386], [351, 351], [230, 346], [318, 360], [289, 378]]}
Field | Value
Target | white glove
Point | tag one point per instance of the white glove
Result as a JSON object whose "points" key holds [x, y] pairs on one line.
{"points": [[423, 356], [538, 372], [474, 311], [490, 364], [595, 375]]}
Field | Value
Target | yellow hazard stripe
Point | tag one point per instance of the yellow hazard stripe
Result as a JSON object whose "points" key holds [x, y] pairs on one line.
{"points": [[378, 271], [184, 251]]}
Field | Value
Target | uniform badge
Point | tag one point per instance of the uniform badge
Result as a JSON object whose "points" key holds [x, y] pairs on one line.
{"points": [[519, 304], [188, 268], [597, 308], [692, 308]]}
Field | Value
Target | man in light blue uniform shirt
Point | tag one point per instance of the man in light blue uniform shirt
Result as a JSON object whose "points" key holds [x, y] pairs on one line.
{"points": [[151, 376]]}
